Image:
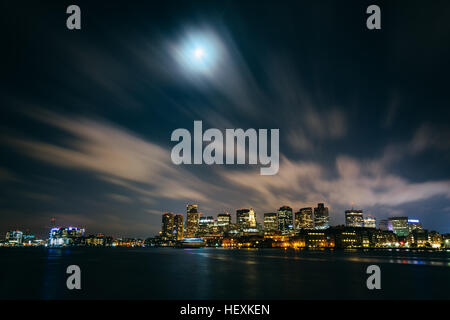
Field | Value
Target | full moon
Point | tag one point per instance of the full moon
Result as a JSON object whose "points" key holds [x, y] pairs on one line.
{"points": [[199, 52]]}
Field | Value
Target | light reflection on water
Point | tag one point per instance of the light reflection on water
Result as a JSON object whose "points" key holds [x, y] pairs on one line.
{"points": [[330, 256], [211, 273]]}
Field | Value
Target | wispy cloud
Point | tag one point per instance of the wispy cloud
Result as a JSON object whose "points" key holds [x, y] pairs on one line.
{"points": [[144, 169], [430, 136], [115, 155]]}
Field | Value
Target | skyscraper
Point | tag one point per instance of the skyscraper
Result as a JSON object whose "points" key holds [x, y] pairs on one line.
{"points": [[246, 218], [304, 219], [270, 222], [414, 224], [192, 220], [321, 217], [167, 229], [204, 225], [285, 222], [370, 222], [178, 226], [354, 218], [399, 226], [223, 221]]}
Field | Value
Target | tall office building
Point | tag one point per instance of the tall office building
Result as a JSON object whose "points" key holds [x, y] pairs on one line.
{"points": [[246, 218], [167, 229], [399, 225], [192, 219], [178, 226], [414, 224], [304, 219], [223, 220], [321, 217], [204, 225], [285, 222], [354, 218], [370, 222], [270, 222]]}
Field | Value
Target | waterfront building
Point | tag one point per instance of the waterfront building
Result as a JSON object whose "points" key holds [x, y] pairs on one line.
{"points": [[14, 237], [370, 222], [318, 239], [131, 242], [285, 221], [270, 223], [178, 226], [98, 240], [354, 218], [205, 225], [446, 240], [347, 237], [192, 219], [167, 230], [321, 217], [434, 239], [66, 236], [224, 221], [418, 238], [399, 225], [304, 219], [414, 224], [246, 218]]}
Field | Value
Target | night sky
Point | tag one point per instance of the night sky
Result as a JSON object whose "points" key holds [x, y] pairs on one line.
{"points": [[87, 115]]}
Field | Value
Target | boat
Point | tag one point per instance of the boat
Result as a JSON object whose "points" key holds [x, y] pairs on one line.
{"points": [[191, 243]]}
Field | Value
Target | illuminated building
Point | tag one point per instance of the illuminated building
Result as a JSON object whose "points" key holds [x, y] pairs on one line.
{"points": [[318, 239], [66, 236], [285, 223], [348, 237], [167, 230], [192, 208], [14, 237], [304, 219], [298, 241], [446, 240], [418, 238], [224, 221], [399, 225], [434, 239], [192, 219], [384, 238], [246, 218], [321, 217], [370, 222], [414, 224], [270, 223], [354, 218], [98, 240], [178, 226], [128, 242], [28, 239], [205, 225]]}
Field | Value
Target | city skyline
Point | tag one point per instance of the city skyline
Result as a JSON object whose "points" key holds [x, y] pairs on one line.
{"points": [[348, 222], [87, 115]]}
